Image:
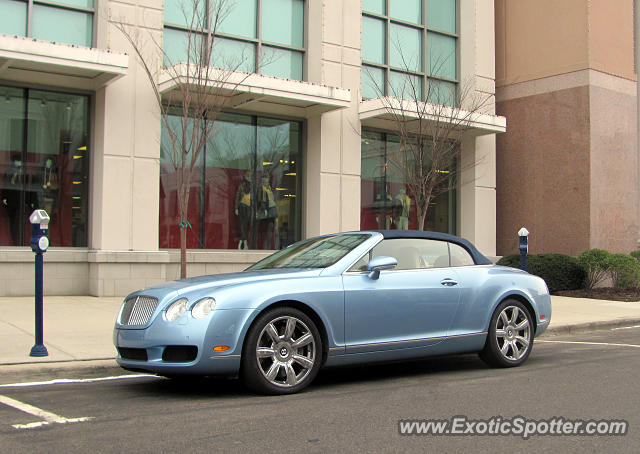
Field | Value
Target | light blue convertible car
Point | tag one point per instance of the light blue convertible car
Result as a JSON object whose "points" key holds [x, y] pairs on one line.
{"points": [[336, 299]]}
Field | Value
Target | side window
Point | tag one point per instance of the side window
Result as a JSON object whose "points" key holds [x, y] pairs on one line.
{"points": [[411, 254], [460, 256]]}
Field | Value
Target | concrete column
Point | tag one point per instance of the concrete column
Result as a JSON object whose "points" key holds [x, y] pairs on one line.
{"points": [[125, 170]]}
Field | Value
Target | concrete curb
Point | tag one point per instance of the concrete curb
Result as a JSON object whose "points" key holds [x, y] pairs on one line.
{"points": [[591, 326]]}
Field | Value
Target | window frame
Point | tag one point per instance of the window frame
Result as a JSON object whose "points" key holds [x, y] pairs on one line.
{"points": [[257, 42], [425, 30]]}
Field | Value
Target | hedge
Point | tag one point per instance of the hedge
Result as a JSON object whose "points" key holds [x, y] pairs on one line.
{"points": [[560, 272]]}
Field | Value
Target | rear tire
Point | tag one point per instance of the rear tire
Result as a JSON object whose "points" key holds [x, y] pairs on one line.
{"points": [[282, 352], [510, 336]]}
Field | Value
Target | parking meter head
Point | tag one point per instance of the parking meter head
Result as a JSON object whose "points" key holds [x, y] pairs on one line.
{"points": [[39, 231]]}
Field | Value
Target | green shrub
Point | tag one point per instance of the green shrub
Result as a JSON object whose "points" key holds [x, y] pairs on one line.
{"points": [[560, 272], [635, 255], [624, 270], [596, 266]]}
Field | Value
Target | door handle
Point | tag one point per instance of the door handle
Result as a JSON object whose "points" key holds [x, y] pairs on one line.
{"points": [[448, 282]]}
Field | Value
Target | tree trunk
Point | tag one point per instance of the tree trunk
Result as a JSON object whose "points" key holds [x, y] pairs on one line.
{"points": [[183, 252]]}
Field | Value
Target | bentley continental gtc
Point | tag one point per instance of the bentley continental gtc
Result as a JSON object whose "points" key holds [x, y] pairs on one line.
{"points": [[347, 298]]}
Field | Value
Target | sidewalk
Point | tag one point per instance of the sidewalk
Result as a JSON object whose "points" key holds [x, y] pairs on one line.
{"points": [[78, 329]]}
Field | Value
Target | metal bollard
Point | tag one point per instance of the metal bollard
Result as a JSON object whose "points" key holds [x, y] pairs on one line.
{"points": [[523, 233]]}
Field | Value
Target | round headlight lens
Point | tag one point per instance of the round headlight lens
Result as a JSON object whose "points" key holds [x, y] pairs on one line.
{"points": [[176, 309], [203, 307]]}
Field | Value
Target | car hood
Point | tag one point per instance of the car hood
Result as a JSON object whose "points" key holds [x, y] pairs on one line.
{"points": [[218, 280]]}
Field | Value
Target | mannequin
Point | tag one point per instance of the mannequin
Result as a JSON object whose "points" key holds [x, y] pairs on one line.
{"points": [[243, 209], [267, 211], [49, 185], [402, 210]]}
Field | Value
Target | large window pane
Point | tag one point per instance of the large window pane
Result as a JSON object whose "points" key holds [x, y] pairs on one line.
{"points": [[442, 55], [286, 64], [372, 82], [441, 92], [234, 54], [170, 218], [240, 18], [62, 25], [229, 184], [175, 44], [407, 10], [373, 40], [13, 20], [407, 86], [283, 22], [51, 173], [441, 15], [405, 48], [82, 3], [181, 12], [374, 6]]}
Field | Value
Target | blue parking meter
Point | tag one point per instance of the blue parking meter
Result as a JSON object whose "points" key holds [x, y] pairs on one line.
{"points": [[39, 244], [524, 247]]}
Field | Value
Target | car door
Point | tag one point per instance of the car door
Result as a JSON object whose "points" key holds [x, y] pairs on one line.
{"points": [[412, 305]]}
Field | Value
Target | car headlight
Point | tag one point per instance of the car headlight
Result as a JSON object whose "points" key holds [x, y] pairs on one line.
{"points": [[176, 309], [203, 307]]}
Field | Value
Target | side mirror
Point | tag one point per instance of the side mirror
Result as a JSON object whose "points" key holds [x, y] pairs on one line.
{"points": [[380, 263]]}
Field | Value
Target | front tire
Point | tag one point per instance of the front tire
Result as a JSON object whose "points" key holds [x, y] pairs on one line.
{"points": [[510, 336], [282, 352]]}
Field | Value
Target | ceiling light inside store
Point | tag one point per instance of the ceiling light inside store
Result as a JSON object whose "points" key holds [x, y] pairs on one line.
{"points": [[77, 156], [266, 163], [82, 148], [77, 182], [76, 197], [281, 189], [291, 174]]}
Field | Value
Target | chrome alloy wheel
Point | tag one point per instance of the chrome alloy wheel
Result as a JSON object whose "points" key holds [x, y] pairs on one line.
{"points": [[286, 351], [513, 333]]}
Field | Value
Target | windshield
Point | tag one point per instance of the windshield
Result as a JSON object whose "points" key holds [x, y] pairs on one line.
{"points": [[313, 253]]}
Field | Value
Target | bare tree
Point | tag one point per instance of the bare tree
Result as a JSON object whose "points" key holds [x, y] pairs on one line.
{"points": [[204, 82], [430, 121]]}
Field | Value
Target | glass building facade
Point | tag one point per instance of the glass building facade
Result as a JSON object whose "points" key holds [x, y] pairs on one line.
{"points": [[245, 188], [386, 203], [409, 49], [44, 161], [261, 36]]}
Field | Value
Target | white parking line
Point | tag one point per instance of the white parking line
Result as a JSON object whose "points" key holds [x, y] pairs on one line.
{"points": [[589, 343], [73, 380], [626, 327], [48, 417]]}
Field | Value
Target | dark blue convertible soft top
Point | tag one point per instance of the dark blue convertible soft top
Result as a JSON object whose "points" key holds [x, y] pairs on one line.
{"points": [[477, 256]]}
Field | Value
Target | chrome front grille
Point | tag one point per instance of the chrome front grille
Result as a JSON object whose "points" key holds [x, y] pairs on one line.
{"points": [[138, 310]]}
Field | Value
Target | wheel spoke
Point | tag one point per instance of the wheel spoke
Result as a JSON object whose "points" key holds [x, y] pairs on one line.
{"points": [[500, 333], [291, 326], [503, 317], [303, 361], [523, 341], [302, 341], [265, 352], [522, 325], [516, 352], [291, 374], [505, 348], [272, 332], [514, 315], [273, 371]]}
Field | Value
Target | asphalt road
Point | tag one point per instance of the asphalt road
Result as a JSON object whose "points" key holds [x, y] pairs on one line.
{"points": [[346, 409]]}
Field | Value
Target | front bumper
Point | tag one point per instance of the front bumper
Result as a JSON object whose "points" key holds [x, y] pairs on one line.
{"points": [[150, 348]]}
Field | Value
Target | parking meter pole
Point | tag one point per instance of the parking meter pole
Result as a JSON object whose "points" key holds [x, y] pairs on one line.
{"points": [[523, 234], [39, 349], [39, 244]]}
